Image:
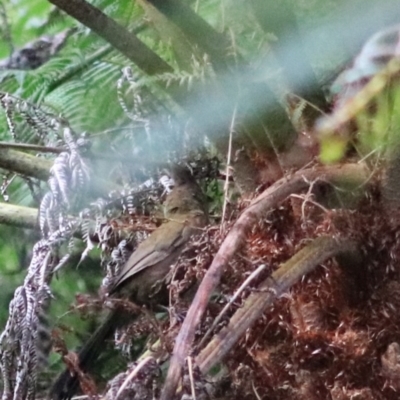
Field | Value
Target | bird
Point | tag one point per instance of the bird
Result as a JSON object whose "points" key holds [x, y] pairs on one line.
{"points": [[185, 210]]}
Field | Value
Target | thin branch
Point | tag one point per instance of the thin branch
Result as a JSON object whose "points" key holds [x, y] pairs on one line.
{"points": [[303, 262], [190, 370], [133, 374], [228, 167], [243, 286], [236, 237]]}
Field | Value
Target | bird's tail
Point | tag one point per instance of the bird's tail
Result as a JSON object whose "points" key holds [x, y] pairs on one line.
{"points": [[68, 383]]}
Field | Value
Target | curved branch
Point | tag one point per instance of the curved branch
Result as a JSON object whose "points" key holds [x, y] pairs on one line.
{"points": [[268, 199]]}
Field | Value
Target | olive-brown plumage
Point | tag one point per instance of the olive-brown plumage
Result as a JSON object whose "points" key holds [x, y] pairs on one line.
{"points": [[185, 212]]}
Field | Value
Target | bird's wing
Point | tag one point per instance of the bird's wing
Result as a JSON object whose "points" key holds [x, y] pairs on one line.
{"points": [[160, 245]]}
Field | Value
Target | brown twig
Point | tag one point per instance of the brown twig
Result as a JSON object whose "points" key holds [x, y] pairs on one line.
{"points": [[237, 293], [280, 281], [190, 371], [268, 199], [133, 374]]}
